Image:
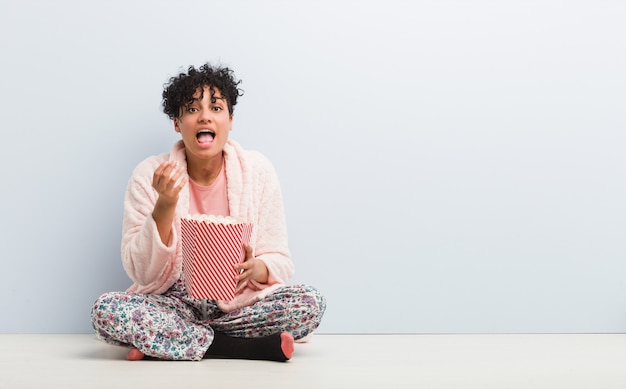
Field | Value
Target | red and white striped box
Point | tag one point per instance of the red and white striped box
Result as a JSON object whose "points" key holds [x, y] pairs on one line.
{"points": [[211, 245]]}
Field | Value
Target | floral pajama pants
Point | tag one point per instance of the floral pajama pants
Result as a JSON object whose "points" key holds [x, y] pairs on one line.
{"points": [[172, 325]]}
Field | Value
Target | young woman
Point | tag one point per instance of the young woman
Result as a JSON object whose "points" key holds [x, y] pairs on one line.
{"points": [[205, 173]]}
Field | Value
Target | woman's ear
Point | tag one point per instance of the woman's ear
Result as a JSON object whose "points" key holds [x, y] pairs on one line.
{"points": [[176, 125]]}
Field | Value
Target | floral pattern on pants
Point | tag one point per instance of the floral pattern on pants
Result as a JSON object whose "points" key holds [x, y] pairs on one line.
{"points": [[172, 326]]}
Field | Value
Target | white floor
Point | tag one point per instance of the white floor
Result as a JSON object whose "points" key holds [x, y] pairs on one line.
{"points": [[331, 361]]}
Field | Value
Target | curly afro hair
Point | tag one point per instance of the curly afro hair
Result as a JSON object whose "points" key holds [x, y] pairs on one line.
{"points": [[180, 89]]}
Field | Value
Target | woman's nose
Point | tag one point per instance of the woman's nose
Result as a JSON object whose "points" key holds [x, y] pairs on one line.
{"points": [[205, 115]]}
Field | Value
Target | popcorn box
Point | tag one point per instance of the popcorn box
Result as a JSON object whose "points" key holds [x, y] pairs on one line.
{"points": [[211, 245]]}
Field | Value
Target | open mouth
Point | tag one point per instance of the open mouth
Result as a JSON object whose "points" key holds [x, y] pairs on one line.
{"points": [[205, 136]]}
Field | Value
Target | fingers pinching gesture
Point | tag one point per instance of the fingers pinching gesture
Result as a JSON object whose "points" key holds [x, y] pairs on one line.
{"points": [[164, 181]]}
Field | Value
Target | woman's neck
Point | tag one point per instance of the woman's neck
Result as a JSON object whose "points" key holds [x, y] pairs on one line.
{"points": [[204, 172]]}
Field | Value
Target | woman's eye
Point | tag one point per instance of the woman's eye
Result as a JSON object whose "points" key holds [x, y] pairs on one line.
{"points": [[192, 110], [217, 109]]}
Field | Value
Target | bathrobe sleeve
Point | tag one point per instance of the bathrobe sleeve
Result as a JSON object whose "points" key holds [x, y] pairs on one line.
{"points": [[271, 244], [152, 265]]}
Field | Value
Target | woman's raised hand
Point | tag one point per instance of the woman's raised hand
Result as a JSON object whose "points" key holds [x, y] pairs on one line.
{"points": [[164, 181]]}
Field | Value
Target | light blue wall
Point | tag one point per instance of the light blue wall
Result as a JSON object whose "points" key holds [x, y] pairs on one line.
{"points": [[447, 166]]}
